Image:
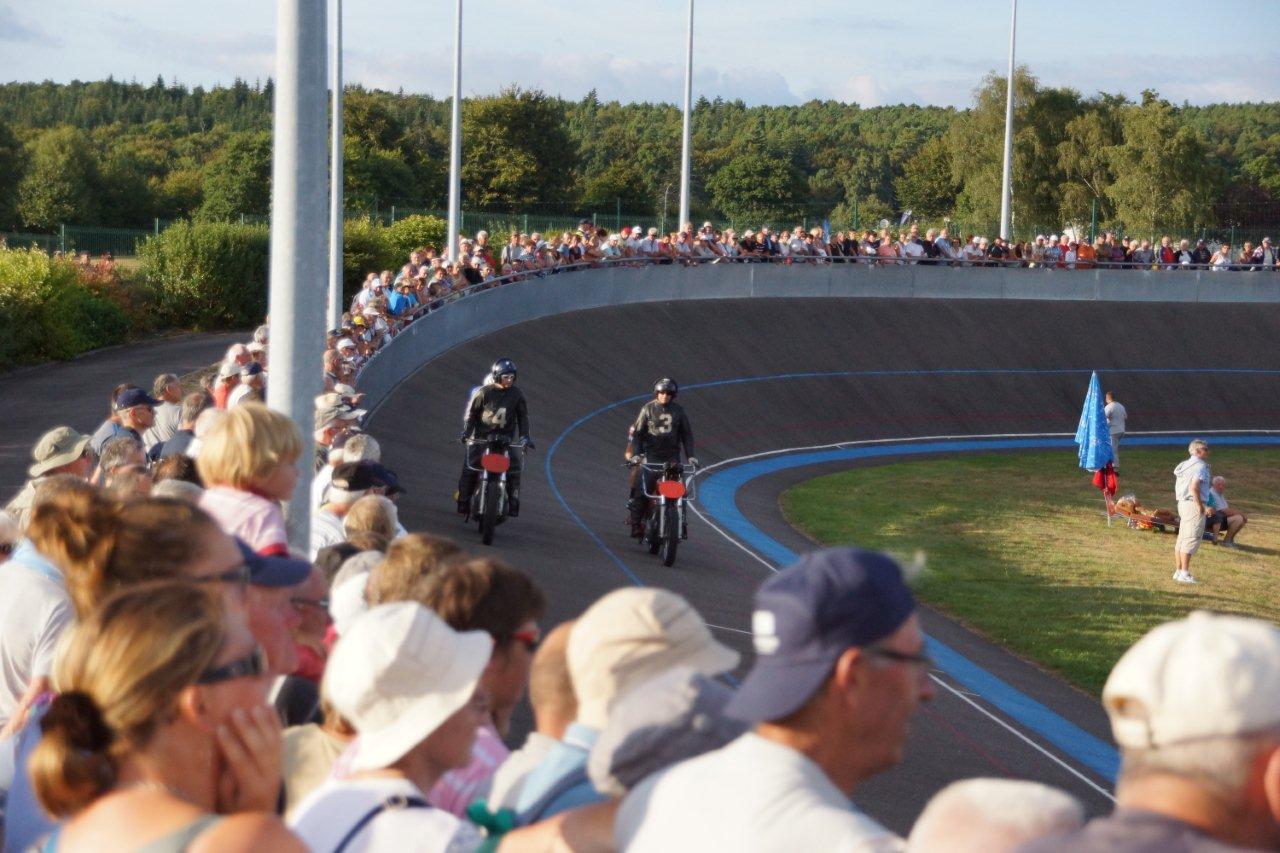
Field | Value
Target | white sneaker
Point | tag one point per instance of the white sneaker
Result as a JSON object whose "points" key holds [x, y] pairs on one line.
{"points": [[1183, 577]]}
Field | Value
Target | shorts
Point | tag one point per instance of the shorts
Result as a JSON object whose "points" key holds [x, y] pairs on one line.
{"points": [[1219, 518], [1191, 521]]}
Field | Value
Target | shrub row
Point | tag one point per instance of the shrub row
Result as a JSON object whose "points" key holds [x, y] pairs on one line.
{"points": [[48, 312]]}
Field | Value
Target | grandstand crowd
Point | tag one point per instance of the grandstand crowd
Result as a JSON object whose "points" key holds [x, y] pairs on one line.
{"points": [[174, 675]]}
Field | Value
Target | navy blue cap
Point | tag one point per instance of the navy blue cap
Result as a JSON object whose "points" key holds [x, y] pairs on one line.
{"points": [[131, 397], [807, 615], [273, 571], [251, 369], [385, 477]]}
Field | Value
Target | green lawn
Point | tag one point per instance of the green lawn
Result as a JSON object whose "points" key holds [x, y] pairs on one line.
{"points": [[1018, 548]]}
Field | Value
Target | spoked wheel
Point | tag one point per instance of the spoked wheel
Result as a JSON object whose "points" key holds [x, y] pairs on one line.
{"points": [[489, 514], [651, 529], [672, 537]]}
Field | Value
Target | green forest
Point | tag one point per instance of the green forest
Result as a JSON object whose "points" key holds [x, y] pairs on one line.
{"points": [[123, 154]]}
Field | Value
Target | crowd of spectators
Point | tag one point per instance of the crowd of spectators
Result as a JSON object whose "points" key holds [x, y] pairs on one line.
{"points": [[174, 675]]}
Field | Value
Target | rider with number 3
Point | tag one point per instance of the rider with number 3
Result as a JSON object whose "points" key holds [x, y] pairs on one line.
{"points": [[497, 407], [657, 435]]}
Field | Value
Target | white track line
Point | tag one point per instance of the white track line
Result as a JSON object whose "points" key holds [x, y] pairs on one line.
{"points": [[1037, 747]]}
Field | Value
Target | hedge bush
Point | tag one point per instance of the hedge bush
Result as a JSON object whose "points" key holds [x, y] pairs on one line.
{"points": [[415, 232], [47, 312], [208, 275]]}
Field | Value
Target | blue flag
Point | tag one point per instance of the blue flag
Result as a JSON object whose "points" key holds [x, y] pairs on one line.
{"points": [[826, 231], [1093, 435]]}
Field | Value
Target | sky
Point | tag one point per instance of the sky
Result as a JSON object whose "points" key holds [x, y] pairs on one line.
{"points": [[922, 52]]}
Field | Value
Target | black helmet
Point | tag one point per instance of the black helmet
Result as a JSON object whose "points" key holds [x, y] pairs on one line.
{"points": [[666, 384], [502, 367]]}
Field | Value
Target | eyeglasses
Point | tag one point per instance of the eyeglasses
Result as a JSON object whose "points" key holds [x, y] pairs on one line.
{"points": [[921, 660], [252, 664], [529, 639], [319, 603], [236, 575]]}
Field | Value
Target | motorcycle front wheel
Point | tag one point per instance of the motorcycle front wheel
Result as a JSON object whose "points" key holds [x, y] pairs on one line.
{"points": [[671, 537], [489, 513]]}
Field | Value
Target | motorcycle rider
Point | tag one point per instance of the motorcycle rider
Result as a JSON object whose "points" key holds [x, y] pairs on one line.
{"points": [[657, 435], [495, 408]]}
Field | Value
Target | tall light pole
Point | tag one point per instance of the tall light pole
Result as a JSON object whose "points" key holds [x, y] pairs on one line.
{"points": [[685, 165], [299, 190], [455, 142], [335, 173], [1006, 187]]}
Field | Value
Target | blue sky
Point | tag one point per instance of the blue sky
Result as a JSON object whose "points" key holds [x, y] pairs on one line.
{"points": [[924, 51]]}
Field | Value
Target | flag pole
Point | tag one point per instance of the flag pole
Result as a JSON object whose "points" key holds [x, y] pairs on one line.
{"points": [[1006, 184]]}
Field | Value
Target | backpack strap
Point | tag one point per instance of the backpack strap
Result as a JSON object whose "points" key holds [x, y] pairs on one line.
{"points": [[535, 812], [395, 802]]}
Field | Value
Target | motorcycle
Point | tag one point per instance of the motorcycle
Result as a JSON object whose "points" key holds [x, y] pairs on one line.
{"points": [[664, 519], [489, 499]]}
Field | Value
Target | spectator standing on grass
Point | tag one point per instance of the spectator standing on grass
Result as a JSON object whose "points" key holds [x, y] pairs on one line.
{"points": [[1191, 487], [168, 391], [1193, 708], [840, 668], [1117, 415]]}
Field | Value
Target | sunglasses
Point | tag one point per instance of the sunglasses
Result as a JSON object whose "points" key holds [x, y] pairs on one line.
{"points": [[252, 664], [529, 639], [921, 660]]}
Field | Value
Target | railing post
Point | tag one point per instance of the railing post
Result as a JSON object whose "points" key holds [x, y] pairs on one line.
{"points": [[393, 214], [157, 226], [62, 238], [617, 225], [1093, 221], [525, 229]]}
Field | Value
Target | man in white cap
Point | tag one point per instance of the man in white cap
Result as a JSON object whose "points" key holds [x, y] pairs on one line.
{"points": [[406, 682], [626, 638], [61, 450], [1195, 708]]}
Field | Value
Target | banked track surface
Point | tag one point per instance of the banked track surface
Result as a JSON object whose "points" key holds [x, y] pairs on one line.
{"points": [[824, 371]]}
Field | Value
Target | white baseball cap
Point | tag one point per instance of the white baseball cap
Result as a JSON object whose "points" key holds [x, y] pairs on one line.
{"points": [[1203, 676], [397, 674]]}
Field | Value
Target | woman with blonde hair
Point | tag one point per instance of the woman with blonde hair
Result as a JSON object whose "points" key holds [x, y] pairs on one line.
{"points": [[373, 514], [249, 464], [136, 752]]}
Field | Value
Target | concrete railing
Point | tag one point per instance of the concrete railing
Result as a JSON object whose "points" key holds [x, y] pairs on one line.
{"points": [[490, 310]]}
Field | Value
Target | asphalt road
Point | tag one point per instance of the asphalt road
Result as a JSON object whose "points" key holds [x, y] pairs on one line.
{"points": [[888, 369], [76, 393]]}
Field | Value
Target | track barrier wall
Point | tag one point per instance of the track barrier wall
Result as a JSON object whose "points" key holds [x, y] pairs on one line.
{"points": [[488, 311]]}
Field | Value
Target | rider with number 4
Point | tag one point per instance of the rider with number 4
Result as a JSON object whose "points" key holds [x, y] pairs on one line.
{"points": [[657, 435], [497, 407]]}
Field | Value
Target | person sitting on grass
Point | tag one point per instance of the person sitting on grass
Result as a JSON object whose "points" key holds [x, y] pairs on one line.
{"points": [[1225, 517]]}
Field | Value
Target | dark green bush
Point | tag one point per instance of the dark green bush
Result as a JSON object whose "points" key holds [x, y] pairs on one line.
{"points": [[415, 232], [208, 275]]}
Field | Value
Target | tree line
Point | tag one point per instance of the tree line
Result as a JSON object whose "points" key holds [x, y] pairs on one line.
{"points": [[123, 153]]}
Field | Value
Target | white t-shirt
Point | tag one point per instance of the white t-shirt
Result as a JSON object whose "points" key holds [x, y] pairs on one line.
{"points": [[320, 486], [238, 393], [255, 519], [325, 817], [752, 795], [326, 529], [1219, 499], [35, 610], [1116, 414]]}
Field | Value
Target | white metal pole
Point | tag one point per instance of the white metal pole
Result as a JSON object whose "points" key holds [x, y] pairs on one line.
{"points": [[1006, 188], [685, 165], [335, 174], [455, 143], [299, 192]]}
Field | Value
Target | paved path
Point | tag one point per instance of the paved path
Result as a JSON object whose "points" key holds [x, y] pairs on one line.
{"points": [[577, 369], [75, 393]]}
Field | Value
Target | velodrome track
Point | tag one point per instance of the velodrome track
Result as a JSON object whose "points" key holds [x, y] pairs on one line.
{"points": [[765, 375]]}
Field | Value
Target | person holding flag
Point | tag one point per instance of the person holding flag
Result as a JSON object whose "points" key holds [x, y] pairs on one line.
{"points": [[1093, 437]]}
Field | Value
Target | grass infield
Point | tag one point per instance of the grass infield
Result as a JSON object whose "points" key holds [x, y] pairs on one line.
{"points": [[1018, 548]]}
